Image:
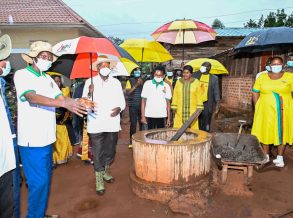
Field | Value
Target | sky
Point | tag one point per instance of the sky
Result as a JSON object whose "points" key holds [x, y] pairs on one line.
{"points": [[139, 18]]}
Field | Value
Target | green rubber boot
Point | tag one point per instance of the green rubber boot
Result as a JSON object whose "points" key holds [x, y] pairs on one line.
{"points": [[100, 188], [106, 176]]}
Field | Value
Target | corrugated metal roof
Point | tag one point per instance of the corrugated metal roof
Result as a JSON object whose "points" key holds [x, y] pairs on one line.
{"points": [[235, 31]]}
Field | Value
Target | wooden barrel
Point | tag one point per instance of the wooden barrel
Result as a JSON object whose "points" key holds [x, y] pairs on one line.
{"points": [[156, 159]]}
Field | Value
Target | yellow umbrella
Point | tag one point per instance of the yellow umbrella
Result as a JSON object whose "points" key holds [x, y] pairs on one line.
{"points": [[144, 50], [128, 64], [217, 67]]}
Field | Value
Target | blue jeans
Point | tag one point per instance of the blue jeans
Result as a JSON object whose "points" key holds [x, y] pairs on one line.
{"points": [[37, 167]]}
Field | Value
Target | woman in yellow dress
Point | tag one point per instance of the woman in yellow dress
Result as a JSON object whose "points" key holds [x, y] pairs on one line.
{"points": [[187, 97], [273, 117], [63, 145]]}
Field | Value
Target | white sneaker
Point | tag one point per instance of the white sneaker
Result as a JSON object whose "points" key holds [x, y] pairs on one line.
{"points": [[279, 161], [280, 164], [267, 159]]}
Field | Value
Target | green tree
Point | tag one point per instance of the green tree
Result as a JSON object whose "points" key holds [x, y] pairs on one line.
{"points": [[116, 40], [260, 22], [251, 24], [217, 24], [281, 18], [289, 21], [270, 20]]}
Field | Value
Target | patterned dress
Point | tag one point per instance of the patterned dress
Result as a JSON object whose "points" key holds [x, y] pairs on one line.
{"points": [[187, 97]]}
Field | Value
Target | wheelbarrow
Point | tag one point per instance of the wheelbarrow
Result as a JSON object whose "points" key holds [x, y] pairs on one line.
{"points": [[233, 152]]}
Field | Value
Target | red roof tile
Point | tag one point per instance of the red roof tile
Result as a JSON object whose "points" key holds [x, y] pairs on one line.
{"points": [[37, 11]]}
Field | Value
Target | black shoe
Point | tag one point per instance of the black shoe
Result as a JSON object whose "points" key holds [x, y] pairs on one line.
{"points": [[100, 192]]}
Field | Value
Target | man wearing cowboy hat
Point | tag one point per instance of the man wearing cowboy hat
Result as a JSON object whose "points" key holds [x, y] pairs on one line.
{"points": [[37, 96], [104, 125], [7, 157]]}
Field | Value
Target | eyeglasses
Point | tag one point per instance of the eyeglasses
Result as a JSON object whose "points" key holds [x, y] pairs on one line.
{"points": [[46, 57]]}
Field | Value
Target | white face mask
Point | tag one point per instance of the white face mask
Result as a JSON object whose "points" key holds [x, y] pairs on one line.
{"points": [[203, 69], [158, 79], [277, 68], [43, 65], [6, 70]]}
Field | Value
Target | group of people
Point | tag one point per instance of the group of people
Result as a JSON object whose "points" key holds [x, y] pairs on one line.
{"points": [[38, 94], [164, 101], [45, 107]]}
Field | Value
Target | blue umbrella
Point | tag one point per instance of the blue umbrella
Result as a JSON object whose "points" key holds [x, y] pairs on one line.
{"points": [[268, 39]]}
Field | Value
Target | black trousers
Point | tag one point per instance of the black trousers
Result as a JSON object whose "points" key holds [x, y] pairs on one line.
{"points": [[6, 195], [204, 120], [155, 123], [134, 114], [104, 148]]}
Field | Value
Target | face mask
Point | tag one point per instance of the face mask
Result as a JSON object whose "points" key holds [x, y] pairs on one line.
{"points": [[136, 73], [290, 63], [203, 69], [170, 73], [277, 68], [43, 65], [268, 68], [158, 79], [6, 70]]}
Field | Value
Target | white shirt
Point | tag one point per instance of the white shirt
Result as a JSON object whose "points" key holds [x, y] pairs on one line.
{"points": [[107, 96], [7, 158], [36, 125], [156, 96]]}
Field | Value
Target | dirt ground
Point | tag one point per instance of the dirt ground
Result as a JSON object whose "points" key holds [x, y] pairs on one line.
{"points": [[73, 191]]}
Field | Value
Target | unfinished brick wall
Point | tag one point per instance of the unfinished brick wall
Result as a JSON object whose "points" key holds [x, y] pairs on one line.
{"points": [[236, 91]]}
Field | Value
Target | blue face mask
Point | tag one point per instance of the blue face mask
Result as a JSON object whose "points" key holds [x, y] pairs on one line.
{"points": [[169, 73], [277, 68], [290, 63], [268, 68], [136, 73]]}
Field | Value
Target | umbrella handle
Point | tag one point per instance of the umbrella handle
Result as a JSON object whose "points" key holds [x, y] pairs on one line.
{"points": [[91, 61]]}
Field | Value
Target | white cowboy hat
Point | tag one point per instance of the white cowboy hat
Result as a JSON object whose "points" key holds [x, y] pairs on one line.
{"points": [[5, 47], [103, 59], [35, 49]]}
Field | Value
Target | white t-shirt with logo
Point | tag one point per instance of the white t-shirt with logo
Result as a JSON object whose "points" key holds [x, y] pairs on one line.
{"points": [[36, 125], [156, 96]]}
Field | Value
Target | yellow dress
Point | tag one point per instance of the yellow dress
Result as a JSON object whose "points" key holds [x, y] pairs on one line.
{"points": [[273, 117], [187, 97], [62, 147]]}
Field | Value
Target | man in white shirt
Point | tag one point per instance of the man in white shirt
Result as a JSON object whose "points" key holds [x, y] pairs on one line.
{"points": [[37, 96], [7, 158], [104, 124], [155, 103]]}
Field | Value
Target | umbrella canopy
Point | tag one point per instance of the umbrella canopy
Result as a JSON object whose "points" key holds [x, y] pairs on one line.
{"points": [[270, 39], [184, 32], [86, 44], [217, 67], [78, 54], [78, 66], [144, 50]]}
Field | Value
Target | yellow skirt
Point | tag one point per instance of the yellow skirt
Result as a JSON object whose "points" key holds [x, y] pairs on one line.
{"points": [[62, 146]]}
